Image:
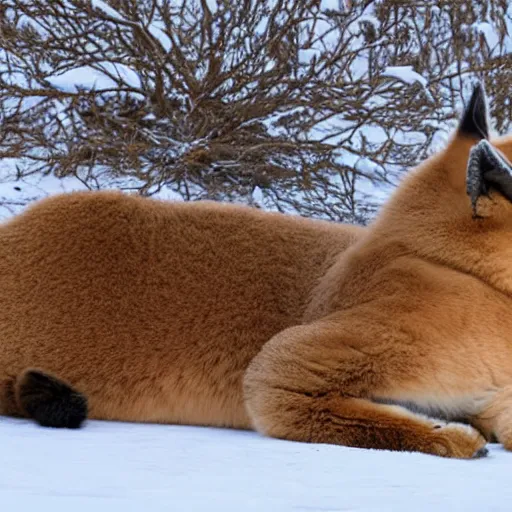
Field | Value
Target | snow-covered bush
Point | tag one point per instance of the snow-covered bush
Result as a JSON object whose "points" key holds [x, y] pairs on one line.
{"points": [[297, 105]]}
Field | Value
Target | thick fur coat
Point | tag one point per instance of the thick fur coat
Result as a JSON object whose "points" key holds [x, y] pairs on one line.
{"points": [[395, 336], [154, 310]]}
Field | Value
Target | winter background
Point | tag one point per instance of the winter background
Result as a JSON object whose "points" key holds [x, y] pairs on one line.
{"points": [[309, 107], [398, 83]]}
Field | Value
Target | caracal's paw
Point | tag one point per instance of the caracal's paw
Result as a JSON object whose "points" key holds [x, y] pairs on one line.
{"points": [[457, 441]]}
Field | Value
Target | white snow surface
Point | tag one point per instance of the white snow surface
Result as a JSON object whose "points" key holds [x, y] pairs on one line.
{"points": [[109, 466], [87, 78], [107, 9], [17, 194], [405, 74]]}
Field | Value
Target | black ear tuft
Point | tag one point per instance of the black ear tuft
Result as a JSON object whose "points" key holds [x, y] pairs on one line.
{"points": [[487, 168], [474, 121]]}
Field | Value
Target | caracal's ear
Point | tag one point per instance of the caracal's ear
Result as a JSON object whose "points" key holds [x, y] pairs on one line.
{"points": [[487, 168], [474, 122]]}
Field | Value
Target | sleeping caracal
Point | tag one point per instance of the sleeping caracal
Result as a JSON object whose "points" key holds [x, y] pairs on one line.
{"points": [[211, 314]]}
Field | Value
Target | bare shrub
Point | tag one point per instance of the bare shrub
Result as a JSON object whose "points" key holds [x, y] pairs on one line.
{"points": [[300, 105]]}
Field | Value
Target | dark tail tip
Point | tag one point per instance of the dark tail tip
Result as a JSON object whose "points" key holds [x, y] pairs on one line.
{"points": [[50, 401]]}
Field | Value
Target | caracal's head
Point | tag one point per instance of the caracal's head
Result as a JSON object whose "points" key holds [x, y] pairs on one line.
{"points": [[456, 207]]}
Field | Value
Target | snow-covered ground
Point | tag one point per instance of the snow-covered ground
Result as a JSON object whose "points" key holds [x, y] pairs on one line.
{"points": [[16, 194], [109, 466]]}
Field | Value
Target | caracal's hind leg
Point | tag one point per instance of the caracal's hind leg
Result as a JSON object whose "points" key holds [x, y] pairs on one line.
{"points": [[307, 384]]}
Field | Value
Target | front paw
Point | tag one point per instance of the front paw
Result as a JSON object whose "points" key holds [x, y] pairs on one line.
{"points": [[458, 441]]}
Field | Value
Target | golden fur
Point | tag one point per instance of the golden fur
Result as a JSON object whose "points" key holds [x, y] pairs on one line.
{"points": [[154, 310], [221, 315]]}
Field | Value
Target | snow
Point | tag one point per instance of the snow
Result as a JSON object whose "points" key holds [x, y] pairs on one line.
{"points": [[155, 31], [161, 36], [87, 77], [489, 32], [17, 194], [107, 9], [405, 74], [340, 5], [130, 467]]}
